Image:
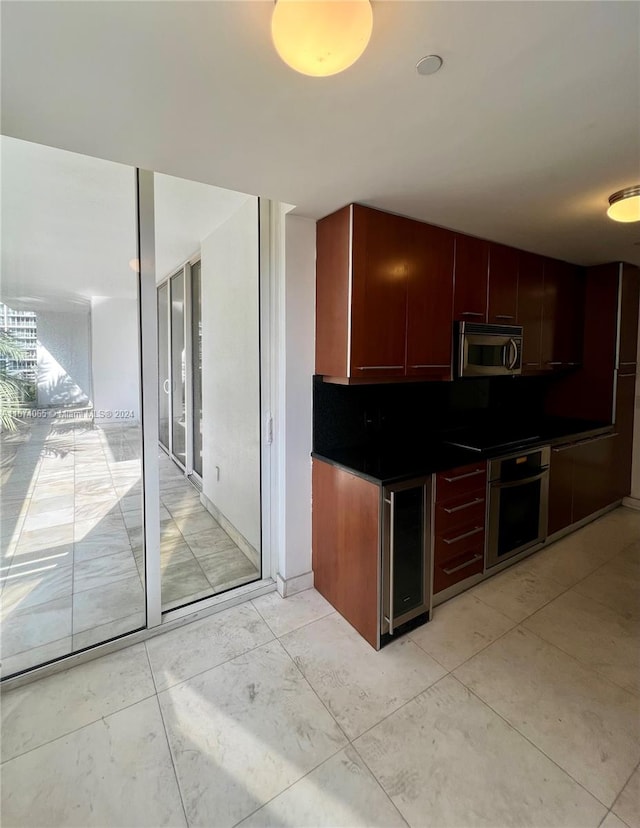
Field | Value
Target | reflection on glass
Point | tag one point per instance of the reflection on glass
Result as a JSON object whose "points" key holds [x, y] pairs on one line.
{"points": [[72, 568], [178, 369], [210, 532], [163, 364], [196, 352]]}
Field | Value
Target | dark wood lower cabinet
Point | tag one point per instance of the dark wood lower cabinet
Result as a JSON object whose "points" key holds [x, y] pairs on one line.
{"points": [[624, 416], [583, 478], [594, 476], [560, 488], [346, 516]]}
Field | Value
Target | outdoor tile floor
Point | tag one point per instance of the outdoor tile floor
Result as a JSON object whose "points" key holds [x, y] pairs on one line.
{"points": [[515, 705], [71, 540]]}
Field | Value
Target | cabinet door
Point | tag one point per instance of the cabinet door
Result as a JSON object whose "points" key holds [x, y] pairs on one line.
{"points": [[625, 405], [503, 285], [629, 300], [530, 299], [593, 476], [430, 304], [383, 251], [471, 273], [560, 488], [563, 310]]}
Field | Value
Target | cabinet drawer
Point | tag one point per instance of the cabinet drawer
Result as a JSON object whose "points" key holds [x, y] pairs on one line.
{"points": [[460, 511], [456, 542], [456, 569], [460, 481]]}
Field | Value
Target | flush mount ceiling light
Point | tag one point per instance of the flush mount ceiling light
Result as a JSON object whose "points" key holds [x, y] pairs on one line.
{"points": [[321, 37], [625, 204]]}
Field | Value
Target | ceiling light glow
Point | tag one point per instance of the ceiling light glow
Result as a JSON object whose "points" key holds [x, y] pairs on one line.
{"points": [[321, 37], [625, 205]]}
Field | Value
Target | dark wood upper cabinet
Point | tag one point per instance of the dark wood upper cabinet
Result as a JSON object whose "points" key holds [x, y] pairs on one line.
{"points": [[530, 303], [629, 301], [503, 285], [430, 303], [333, 310], [471, 274], [562, 316], [383, 256]]}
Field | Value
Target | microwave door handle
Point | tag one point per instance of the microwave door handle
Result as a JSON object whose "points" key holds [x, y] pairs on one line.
{"points": [[513, 344]]}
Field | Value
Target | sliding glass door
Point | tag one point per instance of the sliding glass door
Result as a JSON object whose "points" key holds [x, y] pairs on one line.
{"points": [[164, 380], [196, 367]]}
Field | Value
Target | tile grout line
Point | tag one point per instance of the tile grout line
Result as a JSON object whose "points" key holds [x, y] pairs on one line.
{"points": [[379, 783], [582, 664], [527, 739], [75, 729], [166, 736]]}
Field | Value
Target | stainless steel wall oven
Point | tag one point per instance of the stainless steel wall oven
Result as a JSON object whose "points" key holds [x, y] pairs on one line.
{"points": [[518, 504]]}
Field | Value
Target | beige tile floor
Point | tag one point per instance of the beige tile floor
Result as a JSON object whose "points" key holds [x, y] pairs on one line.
{"points": [[71, 547], [515, 706]]}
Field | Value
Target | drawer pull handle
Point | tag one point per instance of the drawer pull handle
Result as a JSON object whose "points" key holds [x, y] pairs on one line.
{"points": [[464, 506], [465, 535], [430, 365], [464, 476], [453, 569], [554, 363], [471, 313], [504, 316], [378, 367]]}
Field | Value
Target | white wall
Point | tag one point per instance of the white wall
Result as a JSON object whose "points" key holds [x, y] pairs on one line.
{"points": [[64, 357], [297, 344], [231, 371], [114, 357]]}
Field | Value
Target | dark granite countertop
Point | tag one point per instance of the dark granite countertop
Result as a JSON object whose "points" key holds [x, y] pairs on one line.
{"points": [[384, 463]]}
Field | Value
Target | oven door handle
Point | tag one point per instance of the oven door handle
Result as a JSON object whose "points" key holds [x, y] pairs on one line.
{"points": [[521, 481]]}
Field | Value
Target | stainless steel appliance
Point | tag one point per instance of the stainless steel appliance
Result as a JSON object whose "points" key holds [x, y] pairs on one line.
{"points": [[518, 504], [405, 599], [488, 350]]}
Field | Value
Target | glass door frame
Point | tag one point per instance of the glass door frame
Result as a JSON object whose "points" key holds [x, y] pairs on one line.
{"points": [[185, 271], [270, 390]]}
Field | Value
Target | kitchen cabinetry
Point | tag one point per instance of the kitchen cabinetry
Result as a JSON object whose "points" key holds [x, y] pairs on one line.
{"points": [[371, 550], [503, 285], [384, 288], [562, 315], [430, 304], [583, 478], [530, 306], [603, 389], [471, 275], [459, 530]]}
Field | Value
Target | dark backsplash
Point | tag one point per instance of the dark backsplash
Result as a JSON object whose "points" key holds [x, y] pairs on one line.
{"points": [[418, 412]]}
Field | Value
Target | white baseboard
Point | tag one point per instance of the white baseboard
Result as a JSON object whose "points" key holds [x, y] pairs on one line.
{"points": [[289, 586], [631, 502], [240, 541]]}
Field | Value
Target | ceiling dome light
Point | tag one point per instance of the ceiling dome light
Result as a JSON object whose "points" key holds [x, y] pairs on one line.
{"points": [[321, 37], [625, 204]]}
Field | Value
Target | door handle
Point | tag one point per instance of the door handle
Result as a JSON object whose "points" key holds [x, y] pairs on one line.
{"points": [[471, 313], [462, 565], [463, 476], [513, 344], [465, 535], [463, 506], [511, 483], [392, 510], [165, 385]]}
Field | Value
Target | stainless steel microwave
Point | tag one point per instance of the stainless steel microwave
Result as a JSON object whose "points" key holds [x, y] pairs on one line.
{"points": [[488, 350]]}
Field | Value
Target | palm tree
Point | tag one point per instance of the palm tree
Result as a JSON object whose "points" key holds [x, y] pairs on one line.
{"points": [[12, 389]]}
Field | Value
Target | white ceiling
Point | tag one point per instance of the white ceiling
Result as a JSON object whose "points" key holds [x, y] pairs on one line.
{"points": [[532, 122], [69, 225]]}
